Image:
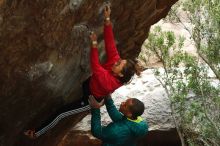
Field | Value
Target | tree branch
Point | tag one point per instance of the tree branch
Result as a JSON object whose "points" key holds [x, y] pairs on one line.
{"points": [[215, 71]]}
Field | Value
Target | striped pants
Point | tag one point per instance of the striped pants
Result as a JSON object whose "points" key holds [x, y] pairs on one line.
{"points": [[51, 123], [67, 110]]}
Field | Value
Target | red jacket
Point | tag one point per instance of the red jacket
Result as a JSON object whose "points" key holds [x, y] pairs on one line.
{"points": [[103, 82]]}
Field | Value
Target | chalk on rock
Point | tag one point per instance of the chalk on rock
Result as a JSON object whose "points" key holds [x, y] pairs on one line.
{"points": [[39, 70], [75, 4], [80, 30], [101, 10]]}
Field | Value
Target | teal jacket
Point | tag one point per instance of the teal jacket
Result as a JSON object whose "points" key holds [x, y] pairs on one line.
{"points": [[121, 132]]}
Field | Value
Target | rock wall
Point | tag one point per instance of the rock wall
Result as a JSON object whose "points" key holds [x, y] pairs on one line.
{"points": [[44, 49]]}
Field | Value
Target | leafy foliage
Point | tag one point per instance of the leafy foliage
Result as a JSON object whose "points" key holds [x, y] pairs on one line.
{"points": [[194, 93], [204, 17]]}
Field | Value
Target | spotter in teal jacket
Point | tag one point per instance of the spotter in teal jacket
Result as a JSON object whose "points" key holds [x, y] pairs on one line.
{"points": [[121, 132]]}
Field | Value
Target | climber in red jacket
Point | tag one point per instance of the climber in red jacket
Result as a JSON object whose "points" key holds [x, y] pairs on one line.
{"points": [[104, 80]]}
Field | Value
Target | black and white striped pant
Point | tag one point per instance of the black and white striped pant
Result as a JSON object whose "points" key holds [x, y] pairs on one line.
{"points": [[67, 110], [51, 123]]}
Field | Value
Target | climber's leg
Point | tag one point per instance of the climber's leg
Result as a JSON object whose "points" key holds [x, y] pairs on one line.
{"points": [[76, 109], [67, 110]]}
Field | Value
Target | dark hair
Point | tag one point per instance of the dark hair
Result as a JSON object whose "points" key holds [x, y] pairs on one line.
{"points": [[130, 68], [137, 108]]}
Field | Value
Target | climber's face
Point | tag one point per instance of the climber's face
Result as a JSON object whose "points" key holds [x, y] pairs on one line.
{"points": [[118, 66], [125, 108]]}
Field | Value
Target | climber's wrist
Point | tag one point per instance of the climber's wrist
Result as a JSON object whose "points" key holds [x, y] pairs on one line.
{"points": [[94, 43], [107, 20]]}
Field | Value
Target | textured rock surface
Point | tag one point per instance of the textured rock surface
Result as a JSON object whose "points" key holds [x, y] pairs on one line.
{"points": [[44, 55]]}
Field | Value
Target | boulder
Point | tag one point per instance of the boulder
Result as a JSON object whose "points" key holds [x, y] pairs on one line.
{"points": [[44, 56]]}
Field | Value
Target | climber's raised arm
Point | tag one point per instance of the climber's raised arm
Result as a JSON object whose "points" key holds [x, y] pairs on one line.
{"points": [[110, 46], [94, 56]]}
